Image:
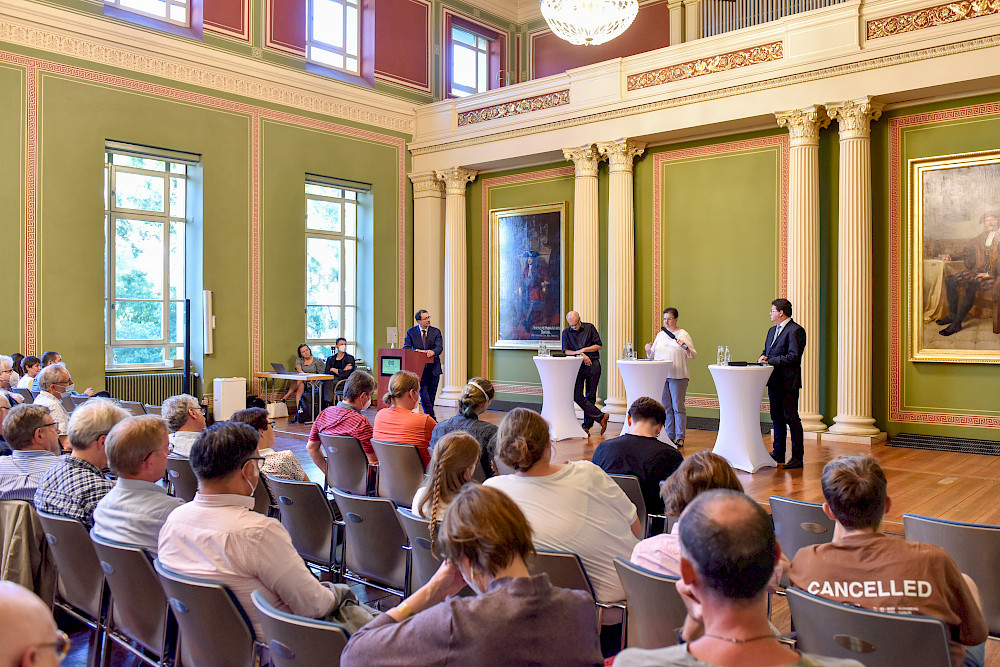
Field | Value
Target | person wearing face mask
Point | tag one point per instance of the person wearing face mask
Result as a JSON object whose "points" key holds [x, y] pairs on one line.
{"points": [[515, 618], [282, 464], [340, 364], [399, 423]]}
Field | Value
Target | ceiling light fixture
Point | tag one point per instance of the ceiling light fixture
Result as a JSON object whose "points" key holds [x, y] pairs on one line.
{"points": [[589, 22]]}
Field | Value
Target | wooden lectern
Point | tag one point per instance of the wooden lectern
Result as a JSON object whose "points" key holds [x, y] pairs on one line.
{"points": [[391, 360]]}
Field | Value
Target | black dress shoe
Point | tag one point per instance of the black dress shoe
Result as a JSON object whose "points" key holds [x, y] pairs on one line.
{"points": [[952, 329], [793, 464], [944, 320], [776, 458]]}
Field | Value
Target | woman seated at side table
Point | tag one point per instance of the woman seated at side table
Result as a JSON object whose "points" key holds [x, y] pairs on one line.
{"points": [[452, 465], [399, 423], [515, 618], [472, 402]]}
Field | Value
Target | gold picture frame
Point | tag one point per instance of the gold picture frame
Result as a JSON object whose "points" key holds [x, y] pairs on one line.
{"points": [[953, 258], [527, 250]]}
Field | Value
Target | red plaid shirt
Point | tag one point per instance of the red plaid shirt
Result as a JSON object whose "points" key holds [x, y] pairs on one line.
{"points": [[344, 421]]}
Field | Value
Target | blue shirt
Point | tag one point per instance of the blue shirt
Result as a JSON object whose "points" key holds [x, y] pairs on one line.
{"points": [[21, 471], [133, 512], [72, 489]]}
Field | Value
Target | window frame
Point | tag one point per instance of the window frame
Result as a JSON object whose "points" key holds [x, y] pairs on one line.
{"points": [[193, 28], [365, 76], [496, 61]]}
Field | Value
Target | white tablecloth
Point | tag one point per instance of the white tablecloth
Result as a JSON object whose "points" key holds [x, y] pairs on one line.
{"points": [[740, 390], [643, 377], [558, 375]]}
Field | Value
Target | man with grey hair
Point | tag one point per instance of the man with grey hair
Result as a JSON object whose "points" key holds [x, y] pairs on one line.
{"points": [[345, 418], [31, 433], [73, 488], [53, 381], [185, 420], [30, 635]]}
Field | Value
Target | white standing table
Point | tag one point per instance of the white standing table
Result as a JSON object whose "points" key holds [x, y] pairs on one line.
{"points": [[558, 375], [740, 390], [644, 377]]}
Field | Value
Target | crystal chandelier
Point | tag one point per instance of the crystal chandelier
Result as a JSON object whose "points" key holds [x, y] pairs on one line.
{"points": [[589, 22]]}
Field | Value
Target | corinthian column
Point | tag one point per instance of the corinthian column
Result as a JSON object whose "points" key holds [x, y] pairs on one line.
{"points": [[456, 278], [621, 263], [586, 235], [428, 242], [803, 246], [854, 270]]}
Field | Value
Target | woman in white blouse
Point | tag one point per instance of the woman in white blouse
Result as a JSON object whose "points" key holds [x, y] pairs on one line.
{"points": [[673, 344]]}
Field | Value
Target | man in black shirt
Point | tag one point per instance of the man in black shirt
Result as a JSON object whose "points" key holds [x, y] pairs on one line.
{"points": [[639, 453], [582, 338]]}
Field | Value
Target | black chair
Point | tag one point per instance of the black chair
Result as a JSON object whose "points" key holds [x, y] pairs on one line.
{"points": [[799, 524], [654, 608], [307, 516], [630, 485], [79, 399], [27, 394], [421, 561], [400, 471], [296, 641], [347, 466], [152, 409], [565, 570], [181, 478], [374, 542], [69, 405], [263, 499], [134, 407]]}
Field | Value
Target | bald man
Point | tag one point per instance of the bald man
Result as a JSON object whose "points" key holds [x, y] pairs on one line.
{"points": [[582, 338], [30, 636]]}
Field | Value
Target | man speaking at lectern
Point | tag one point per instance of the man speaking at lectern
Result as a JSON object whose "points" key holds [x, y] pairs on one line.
{"points": [[783, 349], [425, 337]]}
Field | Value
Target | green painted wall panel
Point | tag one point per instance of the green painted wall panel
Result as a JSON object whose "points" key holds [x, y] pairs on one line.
{"points": [[12, 204]]}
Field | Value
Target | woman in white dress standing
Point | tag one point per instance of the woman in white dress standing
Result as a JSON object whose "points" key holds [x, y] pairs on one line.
{"points": [[674, 344]]}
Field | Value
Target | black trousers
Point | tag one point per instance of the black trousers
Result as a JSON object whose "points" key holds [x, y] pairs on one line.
{"points": [[585, 392], [785, 417], [428, 390]]}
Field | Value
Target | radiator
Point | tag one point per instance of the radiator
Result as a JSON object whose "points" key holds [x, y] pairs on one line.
{"points": [[149, 388]]}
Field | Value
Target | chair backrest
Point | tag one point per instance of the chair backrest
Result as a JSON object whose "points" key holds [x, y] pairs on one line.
{"points": [[263, 499], [400, 471], [24, 551], [423, 562], [306, 515], [295, 641], [152, 409], [140, 604], [799, 524], [80, 575], [630, 485], [874, 638], [974, 547], [26, 393], [215, 630], [373, 539], [502, 468], [655, 608], [78, 399], [183, 483], [69, 405], [135, 407], [346, 463], [565, 570]]}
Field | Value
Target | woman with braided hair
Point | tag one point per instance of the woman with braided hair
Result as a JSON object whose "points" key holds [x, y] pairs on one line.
{"points": [[472, 402], [452, 465]]}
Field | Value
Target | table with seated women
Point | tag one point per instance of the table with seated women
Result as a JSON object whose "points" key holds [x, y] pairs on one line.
{"points": [[305, 362], [398, 423]]}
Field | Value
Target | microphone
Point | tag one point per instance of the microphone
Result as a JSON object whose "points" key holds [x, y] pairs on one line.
{"points": [[669, 333]]}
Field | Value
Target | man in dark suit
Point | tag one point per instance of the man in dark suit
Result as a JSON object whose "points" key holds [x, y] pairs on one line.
{"points": [[425, 337], [783, 349]]}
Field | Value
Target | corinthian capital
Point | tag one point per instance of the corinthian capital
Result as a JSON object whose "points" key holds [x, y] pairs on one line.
{"points": [[855, 116], [621, 153], [426, 184], [585, 158], [456, 178], [803, 124]]}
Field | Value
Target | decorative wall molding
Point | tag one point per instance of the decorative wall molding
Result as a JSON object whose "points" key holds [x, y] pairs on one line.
{"points": [[930, 17], [514, 108], [527, 390], [711, 65], [240, 32]]}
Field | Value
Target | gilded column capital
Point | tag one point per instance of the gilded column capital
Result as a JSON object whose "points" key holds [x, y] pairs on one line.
{"points": [[621, 153], [426, 184], [456, 178], [803, 124], [855, 116], [585, 158]]}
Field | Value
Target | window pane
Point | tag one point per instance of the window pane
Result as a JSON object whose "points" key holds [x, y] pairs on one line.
{"points": [[483, 73], [328, 22], [350, 194], [139, 320], [322, 322], [351, 219], [178, 14], [138, 191], [124, 356], [107, 186], [351, 65], [177, 168], [138, 162], [177, 277], [176, 322], [177, 197], [463, 36], [322, 351], [322, 273], [326, 57], [350, 274], [154, 7], [352, 31], [138, 259], [350, 315], [177, 353], [463, 69], [325, 190], [323, 215]]}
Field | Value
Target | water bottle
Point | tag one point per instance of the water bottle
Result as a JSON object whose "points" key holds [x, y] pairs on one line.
{"points": [[625, 351], [631, 352], [728, 358], [542, 350], [720, 355]]}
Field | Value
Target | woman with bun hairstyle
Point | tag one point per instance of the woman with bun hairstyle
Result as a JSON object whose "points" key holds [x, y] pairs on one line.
{"points": [[452, 465], [472, 402], [398, 423]]}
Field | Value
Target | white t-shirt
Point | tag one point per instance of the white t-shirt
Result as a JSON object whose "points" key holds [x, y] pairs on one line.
{"points": [[25, 382], [578, 509], [182, 441], [668, 349]]}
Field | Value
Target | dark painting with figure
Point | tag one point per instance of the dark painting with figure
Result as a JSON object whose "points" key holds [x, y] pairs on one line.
{"points": [[526, 275], [955, 258]]}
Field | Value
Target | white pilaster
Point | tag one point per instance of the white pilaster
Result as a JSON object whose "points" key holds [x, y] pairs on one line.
{"points": [[428, 243], [586, 232]]}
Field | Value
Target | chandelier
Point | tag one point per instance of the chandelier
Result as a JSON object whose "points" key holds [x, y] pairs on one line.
{"points": [[589, 22]]}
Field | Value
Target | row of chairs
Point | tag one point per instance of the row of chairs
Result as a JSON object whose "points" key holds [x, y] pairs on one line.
{"points": [[70, 402]]}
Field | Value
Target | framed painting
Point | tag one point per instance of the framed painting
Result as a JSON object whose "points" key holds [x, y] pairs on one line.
{"points": [[953, 258], [527, 276]]}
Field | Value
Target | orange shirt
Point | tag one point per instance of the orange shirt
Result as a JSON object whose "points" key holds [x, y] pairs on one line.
{"points": [[403, 426]]}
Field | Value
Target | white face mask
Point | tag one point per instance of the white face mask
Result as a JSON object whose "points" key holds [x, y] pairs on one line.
{"points": [[342, 348], [253, 487], [469, 579]]}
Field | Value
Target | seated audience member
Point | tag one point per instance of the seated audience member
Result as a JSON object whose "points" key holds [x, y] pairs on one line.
{"points": [[472, 402], [218, 537], [8, 398], [399, 423], [728, 555], [30, 635], [53, 381], [17, 371], [571, 506], [639, 453], [340, 364], [856, 498], [345, 418], [305, 362], [34, 436], [514, 619], [278, 464], [135, 509], [452, 465], [185, 420], [74, 487], [49, 358], [32, 366]]}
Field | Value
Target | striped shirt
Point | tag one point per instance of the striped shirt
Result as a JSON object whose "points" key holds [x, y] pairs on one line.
{"points": [[72, 489], [21, 471]]}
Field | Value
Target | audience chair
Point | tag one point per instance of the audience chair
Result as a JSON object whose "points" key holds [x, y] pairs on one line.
{"points": [[873, 638], [140, 609], [565, 570], [183, 483], [347, 466], [263, 499], [297, 641], [80, 591], [34, 393], [79, 399], [654, 608], [974, 547], [479, 475], [421, 563], [374, 542], [29, 396], [799, 524], [501, 467], [400, 471], [135, 407], [152, 409], [24, 551], [630, 485], [69, 405], [215, 630], [307, 516]]}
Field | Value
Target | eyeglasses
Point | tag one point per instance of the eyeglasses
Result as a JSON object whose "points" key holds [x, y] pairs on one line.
{"points": [[259, 460], [170, 450], [60, 645], [50, 424], [7, 370], [273, 423]]}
